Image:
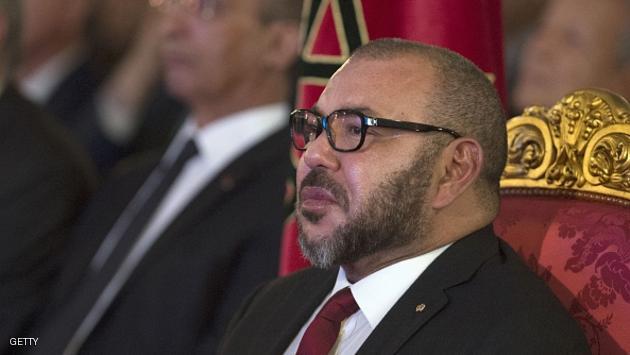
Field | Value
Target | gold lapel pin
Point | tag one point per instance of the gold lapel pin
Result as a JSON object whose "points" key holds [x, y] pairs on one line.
{"points": [[421, 307]]}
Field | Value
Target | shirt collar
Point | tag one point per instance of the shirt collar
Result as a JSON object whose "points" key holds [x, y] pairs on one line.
{"points": [[39, 86], [377, 293], [229, 136]]}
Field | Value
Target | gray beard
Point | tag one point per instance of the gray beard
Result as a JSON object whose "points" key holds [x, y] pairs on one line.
{"points": [[393, 217]]}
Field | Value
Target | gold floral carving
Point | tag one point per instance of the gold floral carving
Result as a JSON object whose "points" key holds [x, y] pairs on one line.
{"points": [[578, 147]]}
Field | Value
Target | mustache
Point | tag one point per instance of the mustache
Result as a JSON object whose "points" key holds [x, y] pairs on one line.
{"points": [[318, 178]]}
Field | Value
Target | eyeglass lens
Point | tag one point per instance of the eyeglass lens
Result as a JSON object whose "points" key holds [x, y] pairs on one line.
{"points": [[304, 128], [344, 129]]}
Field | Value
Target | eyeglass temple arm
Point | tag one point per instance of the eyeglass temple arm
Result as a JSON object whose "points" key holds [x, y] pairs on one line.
{"points": [[409, 126]]}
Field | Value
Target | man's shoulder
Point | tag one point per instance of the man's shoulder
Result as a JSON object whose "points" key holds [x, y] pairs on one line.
{"points": [[504, 282], [270, 151], [285, 290], [516, 305], [507, 273], [283, 305], [42, 148], [489, 302]]}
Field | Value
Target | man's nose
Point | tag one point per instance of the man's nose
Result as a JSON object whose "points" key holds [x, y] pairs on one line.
{"points": [[174, 23], [320, 153]]}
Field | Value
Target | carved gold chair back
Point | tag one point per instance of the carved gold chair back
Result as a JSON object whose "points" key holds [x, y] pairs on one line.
{"points": [[579, 147], [565, 207]]}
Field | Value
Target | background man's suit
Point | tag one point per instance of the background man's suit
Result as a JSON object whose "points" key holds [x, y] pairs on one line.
{"points": [[44, 182], [467, 291], [223, 244]]}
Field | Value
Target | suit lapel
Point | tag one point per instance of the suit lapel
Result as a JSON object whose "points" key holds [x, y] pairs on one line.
{"points": [[296, 308], [249, 166], [427, 297]]}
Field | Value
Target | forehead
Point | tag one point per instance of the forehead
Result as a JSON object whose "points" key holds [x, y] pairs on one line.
{"points": [[384, 86]]}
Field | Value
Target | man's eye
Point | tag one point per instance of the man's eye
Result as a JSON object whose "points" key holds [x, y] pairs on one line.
{"points": [[353, 130]]}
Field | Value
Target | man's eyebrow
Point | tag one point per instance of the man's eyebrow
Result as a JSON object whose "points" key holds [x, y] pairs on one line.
{"points": [[363, 109]]}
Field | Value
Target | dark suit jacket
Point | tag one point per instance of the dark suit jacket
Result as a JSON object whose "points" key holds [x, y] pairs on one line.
{"points": [[479, 297], [224, 243], [74, 92], [44, 181], [73, 103]]}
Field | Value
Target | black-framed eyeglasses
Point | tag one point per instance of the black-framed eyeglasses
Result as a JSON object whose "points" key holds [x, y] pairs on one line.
{"points": [[346, 129]]}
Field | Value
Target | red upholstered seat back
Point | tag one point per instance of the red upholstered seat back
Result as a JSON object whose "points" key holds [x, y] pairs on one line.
{"points": [[582, 250], [565, 208]]}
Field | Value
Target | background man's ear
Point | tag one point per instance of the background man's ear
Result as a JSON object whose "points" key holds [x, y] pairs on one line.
{"points": [[283, 44], [461, 165]]}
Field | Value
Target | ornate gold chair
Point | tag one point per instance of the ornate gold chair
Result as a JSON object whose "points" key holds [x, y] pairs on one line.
{"points": [[565, 207]]}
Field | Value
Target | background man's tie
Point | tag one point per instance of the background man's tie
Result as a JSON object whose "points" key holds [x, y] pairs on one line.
{"points": [[322, 333]]}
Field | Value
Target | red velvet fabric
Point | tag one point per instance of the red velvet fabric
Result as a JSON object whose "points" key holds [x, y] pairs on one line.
{"points": [[291, 258], [582, 250]]}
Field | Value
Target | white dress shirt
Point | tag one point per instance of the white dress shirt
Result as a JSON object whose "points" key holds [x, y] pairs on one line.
{"points": [[375, 294], [39, 86]]}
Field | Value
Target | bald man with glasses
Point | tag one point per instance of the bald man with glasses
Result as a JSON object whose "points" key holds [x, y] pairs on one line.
{"points": [[397, 187]]}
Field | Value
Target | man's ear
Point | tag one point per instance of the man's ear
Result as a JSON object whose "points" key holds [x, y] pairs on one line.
{"points": [[459, 169], [282, 44]]}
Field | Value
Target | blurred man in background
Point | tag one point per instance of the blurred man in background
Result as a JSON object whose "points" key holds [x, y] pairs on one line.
{"points": [[168, 249], [94, 65], [45, 178], [579, 43]]}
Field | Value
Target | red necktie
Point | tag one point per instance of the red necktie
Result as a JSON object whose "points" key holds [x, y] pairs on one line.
{"points": [[321, 334]]}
